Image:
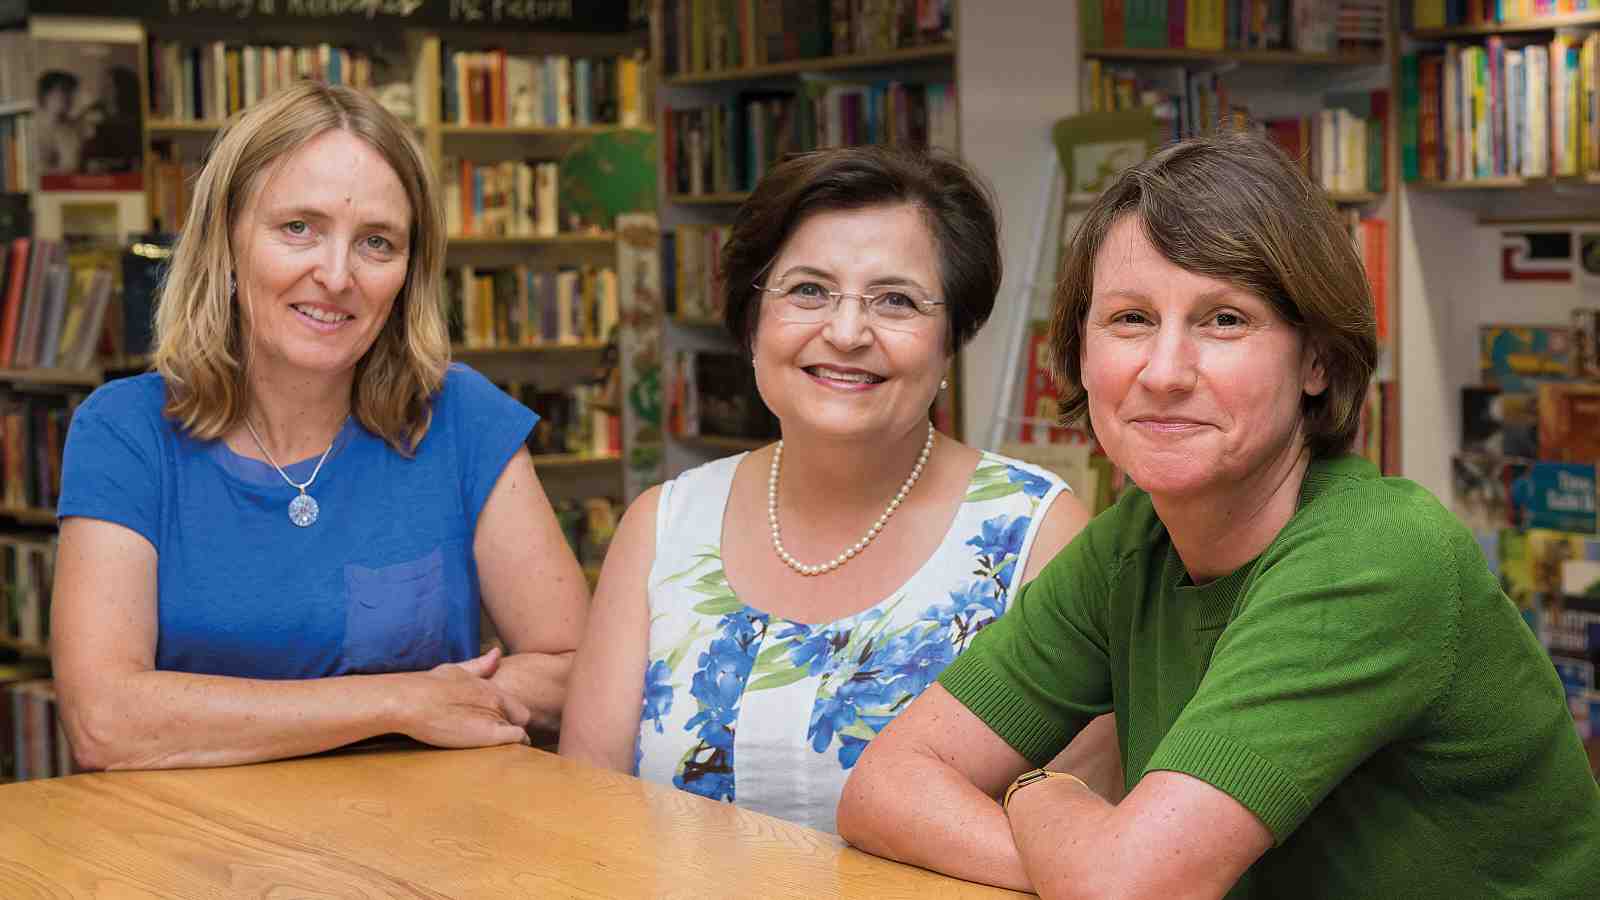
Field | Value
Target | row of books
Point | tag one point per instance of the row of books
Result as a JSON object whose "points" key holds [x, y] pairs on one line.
{"points": [[556, 91], [1554, 579], [583, 419], [512, 198], [35, 744], [1370, 234], [727, 147], [54, 303], [691, 272], [521, 306], [720, 35], [1495, 110], [212, 80], [33, 431], [713, 394], [1534, 423], [26, 569], [1451, 13], [172, 180], [1309, 26], [16, 153]]}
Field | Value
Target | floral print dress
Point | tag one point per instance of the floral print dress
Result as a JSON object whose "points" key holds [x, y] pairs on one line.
{"points": [[748, 707]]}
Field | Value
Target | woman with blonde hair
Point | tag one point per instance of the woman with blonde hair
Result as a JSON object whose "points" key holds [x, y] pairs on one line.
{"points": [[278, 541]]}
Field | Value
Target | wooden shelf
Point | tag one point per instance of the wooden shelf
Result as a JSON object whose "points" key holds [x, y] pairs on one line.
{"points": [[74, 377], [127, 363], [574, 131], [508, 240], [575, 460], [697, 322], [1247, 57], [1353, 198], [722, 444], [29, 515], [729, 199], [528, 350], [927, 53], [1543, 23], [12, 107], [182, 126], [1508, 182], [26, 648]]}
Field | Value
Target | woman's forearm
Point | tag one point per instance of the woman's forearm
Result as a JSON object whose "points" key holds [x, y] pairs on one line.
{"points": [[159, 720], [919, 810]]}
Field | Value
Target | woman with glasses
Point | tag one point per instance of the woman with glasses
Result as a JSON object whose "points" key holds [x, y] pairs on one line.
{"points": [[762, 617]]}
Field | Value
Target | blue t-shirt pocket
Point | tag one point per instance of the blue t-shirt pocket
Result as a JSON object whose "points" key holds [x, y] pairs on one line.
{"points": [[396, 617]]}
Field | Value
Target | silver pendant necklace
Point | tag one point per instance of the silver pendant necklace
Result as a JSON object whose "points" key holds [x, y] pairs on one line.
{"points": [[303, 509]]}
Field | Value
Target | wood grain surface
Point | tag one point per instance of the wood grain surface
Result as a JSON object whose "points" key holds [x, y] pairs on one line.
{"points": [[500, 822]]}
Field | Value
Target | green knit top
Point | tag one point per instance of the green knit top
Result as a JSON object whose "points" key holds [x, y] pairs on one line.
{"points": [[1363, 686]]}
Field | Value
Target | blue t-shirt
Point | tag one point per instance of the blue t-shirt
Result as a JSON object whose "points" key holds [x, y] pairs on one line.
{"points": [[383, 581]]}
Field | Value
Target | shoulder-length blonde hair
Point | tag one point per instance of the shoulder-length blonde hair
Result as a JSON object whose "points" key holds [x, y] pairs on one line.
{"points": [[200, 335]]}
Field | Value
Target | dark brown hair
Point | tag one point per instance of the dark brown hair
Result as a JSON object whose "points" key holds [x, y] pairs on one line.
{"points": [[955, 202], [1233, 207]]}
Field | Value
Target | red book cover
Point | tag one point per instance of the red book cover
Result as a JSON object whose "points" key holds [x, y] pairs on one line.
{"points": [[1430, 71], [1177, 22], [13, 299], [1374, 240], [1114, 18]]}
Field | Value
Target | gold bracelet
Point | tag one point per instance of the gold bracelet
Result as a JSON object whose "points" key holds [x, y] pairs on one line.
{"points": [[1037, 775]]}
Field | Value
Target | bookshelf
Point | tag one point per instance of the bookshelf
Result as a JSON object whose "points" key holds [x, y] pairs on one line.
{"points": [[1460, 211], [1238, 57], [1497, 178], [941, 52], [710, 72]]}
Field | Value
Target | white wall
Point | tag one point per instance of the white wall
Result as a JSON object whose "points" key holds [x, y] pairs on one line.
{"points": [[1017, 68]]}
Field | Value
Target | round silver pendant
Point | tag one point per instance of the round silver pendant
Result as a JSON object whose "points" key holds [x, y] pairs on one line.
{"points": [[303, 510]]}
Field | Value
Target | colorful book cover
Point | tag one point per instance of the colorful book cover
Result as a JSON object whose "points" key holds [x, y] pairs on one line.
{"points": [[1559, 496], [1518, 357]]}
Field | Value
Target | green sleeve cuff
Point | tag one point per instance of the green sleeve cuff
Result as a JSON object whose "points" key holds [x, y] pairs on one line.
{"points": [[1259, 785], [996, 700]]}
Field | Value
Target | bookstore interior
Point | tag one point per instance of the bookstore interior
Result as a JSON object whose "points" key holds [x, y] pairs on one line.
{"points": [[592, 156]]}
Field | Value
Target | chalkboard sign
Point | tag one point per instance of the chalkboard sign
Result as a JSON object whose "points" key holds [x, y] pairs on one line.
{"points": [[531, 15]]}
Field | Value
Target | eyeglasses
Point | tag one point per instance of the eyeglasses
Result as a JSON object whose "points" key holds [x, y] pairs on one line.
{"points": [[904, 308]]}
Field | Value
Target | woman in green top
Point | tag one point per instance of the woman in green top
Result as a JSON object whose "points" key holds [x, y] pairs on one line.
{"points": [[1320, 689]]}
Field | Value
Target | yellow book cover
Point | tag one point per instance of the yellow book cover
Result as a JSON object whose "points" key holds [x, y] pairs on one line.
{"points": [[1203, 25], [1427, 13]]}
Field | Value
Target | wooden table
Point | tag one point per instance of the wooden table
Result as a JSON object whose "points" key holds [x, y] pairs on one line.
{"points": [[500, 822]]}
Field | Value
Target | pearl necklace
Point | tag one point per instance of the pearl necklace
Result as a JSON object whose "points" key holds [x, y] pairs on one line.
{"points": [[851, 551]]}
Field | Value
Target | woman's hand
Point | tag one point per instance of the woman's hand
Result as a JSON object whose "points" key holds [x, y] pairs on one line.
{"points": [[458, 705]]}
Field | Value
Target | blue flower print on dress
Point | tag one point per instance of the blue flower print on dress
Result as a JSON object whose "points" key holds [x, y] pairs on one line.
{"points": [[999, 544], [717, 686], [1032, 485], [657, 693]]}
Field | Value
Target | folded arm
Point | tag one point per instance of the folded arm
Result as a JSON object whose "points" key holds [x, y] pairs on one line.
{"points": [[119, 712], [533, 591]]}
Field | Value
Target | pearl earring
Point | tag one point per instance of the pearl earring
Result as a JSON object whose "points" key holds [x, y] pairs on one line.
{"points": [[944, 384]]}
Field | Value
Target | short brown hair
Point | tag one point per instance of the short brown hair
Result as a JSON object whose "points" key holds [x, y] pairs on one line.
{"points": [[200, 336], [956, 204], [1233, 207]]}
